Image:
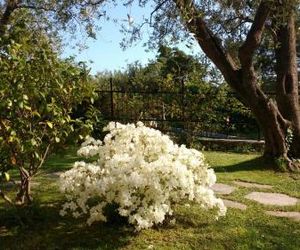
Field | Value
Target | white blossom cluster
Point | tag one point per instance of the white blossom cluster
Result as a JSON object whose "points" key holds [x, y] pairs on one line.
{"points": [[140, 170]]}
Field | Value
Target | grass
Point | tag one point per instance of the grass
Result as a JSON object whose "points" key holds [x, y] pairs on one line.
{"points": [[40, 227]]}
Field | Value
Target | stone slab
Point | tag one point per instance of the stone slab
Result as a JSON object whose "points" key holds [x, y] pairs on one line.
{"points": [[220, 188], [252, 185], [234, 204], [291, 215], [274, 199]]}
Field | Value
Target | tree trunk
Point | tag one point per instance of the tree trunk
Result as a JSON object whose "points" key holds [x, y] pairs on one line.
{"points": [[23, 195], [11, 5], [271, 121], [265, 110], [242, 78], [287, 81]]}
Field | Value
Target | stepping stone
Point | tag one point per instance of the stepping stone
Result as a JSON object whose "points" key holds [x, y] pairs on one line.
{"points": [[252, 185], [221, 188], [272, 199], [234, 204], [292, 215]]}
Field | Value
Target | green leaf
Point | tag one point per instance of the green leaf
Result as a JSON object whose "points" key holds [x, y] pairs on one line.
{"points": [[27, 107], [35, 113], [6, 176], [57, 139], [36, 155], [50, 124], [33, 142]]}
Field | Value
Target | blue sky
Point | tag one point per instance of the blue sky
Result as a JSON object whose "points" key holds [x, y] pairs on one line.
{"points": [[105, 51]]}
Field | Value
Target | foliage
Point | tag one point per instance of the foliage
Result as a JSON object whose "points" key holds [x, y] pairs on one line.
{"points": [[140, 171], [54, 16], [37, 94], [191, 91]]}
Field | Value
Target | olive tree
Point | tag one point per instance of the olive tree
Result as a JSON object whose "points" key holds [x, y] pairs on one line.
{"points": [[230, 34]]}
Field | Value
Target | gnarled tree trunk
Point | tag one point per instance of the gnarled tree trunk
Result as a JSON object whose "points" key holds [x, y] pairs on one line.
{"points": [[287, 81], [271, 117]]}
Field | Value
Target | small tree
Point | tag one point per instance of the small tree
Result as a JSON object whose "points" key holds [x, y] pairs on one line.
{"points": [[37, 93]]}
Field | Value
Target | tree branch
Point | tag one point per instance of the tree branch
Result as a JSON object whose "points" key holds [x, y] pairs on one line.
{"points": [[34, 7], [156, 9], [11, 5], [254, 36], [209, 42], [42, 161]]}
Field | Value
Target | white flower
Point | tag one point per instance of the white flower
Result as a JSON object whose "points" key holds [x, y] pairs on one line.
{"points": [[141, 171]]}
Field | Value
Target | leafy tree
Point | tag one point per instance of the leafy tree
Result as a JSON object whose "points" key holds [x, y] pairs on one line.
{"points": [[164, 88], [53, 16], [229, 33], [37, 94]]}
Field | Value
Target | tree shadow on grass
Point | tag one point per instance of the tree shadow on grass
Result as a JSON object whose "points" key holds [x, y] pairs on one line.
{"points": [[257, 164], [41, 227]]}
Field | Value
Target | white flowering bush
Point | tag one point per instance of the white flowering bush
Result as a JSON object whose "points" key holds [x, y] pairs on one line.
{"points": [[142, 172]]}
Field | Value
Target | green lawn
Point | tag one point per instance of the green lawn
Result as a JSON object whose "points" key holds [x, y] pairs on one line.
{"points": [[40, 227]]}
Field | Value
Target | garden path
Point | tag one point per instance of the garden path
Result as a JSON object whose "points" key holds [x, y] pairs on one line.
{"points": [[271, 199]]}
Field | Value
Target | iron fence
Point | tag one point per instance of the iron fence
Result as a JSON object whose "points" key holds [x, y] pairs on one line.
{"points": [[185, 121]]}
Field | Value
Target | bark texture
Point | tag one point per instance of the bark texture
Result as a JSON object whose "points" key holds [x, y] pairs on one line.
{"points": [[10, 7], [23, 195], [287, 80]]}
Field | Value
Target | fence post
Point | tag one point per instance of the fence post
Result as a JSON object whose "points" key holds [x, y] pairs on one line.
{"points": [[182, 100], [259, 134], [111, 99], [184, 133]]}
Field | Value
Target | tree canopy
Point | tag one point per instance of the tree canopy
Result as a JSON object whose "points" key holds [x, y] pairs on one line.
{"points": [[38, 92]]}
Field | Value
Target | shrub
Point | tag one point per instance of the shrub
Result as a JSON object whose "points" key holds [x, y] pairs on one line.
{"points": [[142, 172]]}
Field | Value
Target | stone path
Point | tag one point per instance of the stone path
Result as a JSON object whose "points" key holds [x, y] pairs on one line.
{"points": [[234, 204], [221, 188], [292, 215], [274, 199]]}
